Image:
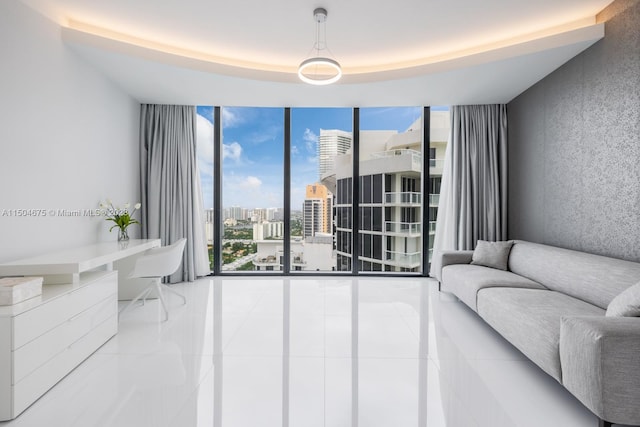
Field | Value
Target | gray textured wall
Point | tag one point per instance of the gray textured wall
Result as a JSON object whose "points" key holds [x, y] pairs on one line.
{"points": [[574, 147]]}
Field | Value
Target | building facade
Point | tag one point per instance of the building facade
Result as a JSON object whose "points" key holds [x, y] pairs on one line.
{"points": [[390, 205], [317, 211], [331, 143], [268, 230]]}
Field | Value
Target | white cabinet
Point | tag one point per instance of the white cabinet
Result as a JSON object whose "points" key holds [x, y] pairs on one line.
{"points": [[44, 338]]}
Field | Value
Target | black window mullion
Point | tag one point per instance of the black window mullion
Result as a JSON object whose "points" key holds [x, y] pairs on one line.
{"points": [[355, 203], [286, 246], [217, 191], [426, 187]]}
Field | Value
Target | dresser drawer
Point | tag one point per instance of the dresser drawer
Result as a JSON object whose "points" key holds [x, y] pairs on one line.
{"points": [[34, 323], [37, 352], [34, 385]]}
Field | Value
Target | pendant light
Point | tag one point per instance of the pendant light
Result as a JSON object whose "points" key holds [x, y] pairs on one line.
{"points": [[320, 69]]}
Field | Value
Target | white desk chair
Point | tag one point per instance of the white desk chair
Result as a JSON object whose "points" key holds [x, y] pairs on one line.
{"points": [[155, 264]]}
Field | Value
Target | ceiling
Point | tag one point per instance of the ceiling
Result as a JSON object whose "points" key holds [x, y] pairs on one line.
{"points": [[246, 52]]}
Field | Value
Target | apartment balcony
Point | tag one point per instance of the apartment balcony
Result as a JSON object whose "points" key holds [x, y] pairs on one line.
{"points": [[298, 261], [401, 259], [434, 200], [403, 199], [415, 156], [406, 229], [269, 261], [432, 227], [392, 161]]}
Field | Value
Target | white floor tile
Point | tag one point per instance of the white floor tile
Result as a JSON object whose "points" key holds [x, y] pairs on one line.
{"points": [[301, 351], [251, 391]]}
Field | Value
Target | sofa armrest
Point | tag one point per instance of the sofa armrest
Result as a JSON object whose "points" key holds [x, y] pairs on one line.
{"points": [[600, 359], [443, 258]]}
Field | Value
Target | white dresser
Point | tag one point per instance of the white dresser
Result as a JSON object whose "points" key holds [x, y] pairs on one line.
{"points": [[44, 338]]}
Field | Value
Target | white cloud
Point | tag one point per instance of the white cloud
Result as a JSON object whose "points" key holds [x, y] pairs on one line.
{"points": [[230, 118], [266, 133], [251, 183], [310, 139], [232, 151], [295, 150]]}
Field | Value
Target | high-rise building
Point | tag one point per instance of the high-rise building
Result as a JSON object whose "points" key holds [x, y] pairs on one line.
{"points": [[331, 143], [237, 212], [390, 204], [268, 230], [278, 214], [259, 215], [271, 213], [209, 215], [317, 210], [208, 225]]}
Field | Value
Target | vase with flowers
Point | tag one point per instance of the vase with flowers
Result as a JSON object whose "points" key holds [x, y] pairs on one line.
{"points": [[121, 217]]}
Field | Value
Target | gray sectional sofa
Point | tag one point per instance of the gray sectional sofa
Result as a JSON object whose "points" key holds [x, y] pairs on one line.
{"points": [[550, 303]]}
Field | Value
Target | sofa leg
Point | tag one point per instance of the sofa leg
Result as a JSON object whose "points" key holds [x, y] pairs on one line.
{"points": [[603, 423]]}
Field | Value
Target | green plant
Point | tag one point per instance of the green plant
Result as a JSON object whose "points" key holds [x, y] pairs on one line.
{"points": [[246, 266], [120, 216]]}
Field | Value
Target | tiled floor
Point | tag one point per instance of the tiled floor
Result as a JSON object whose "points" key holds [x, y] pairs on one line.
{"points": [[334, 352]]}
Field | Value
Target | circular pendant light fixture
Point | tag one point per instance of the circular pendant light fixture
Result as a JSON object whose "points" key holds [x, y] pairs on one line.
{"points": [[320, 69]]}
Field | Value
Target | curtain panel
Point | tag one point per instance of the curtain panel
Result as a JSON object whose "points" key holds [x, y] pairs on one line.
{"points": [[473, 194], [172, 205]]}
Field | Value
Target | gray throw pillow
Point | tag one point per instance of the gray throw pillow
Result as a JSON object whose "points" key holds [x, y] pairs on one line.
{"points": [[626, 304], [492, 254]]}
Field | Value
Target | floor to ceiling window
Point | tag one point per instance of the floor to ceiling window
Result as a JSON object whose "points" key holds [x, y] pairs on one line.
{"points": [[321, 141], [252, 188], [390, 200], [244, 189]]}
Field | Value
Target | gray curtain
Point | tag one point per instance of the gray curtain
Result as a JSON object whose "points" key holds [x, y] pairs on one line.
{"points": [[473, 195], [170, 184]]}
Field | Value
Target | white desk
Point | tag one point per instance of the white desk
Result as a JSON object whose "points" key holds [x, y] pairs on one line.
{"points": [[65, 266]]}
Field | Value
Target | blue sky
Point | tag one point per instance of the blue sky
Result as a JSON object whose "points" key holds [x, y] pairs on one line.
{"points": [[253, 149]]}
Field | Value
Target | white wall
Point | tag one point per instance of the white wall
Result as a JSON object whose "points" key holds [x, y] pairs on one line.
{"points": [[68, 138]]}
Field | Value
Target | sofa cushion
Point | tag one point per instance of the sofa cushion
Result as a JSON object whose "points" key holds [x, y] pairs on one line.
{"points": [[465, 280], [626, 304], [591, 278], [492, 254], [530, 320]]}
